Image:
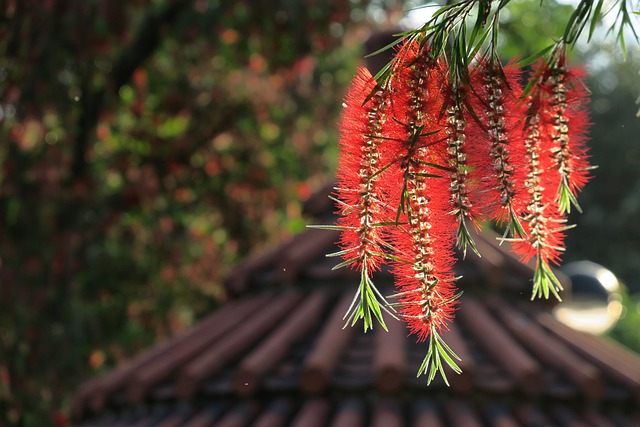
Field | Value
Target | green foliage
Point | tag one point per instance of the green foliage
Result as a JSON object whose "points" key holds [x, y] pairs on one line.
{"points": [[146, 148], [626, 329], [366, 305], [432, 363], [464, 29]]}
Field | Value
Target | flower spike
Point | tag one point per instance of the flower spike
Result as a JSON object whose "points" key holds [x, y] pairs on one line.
{"points": [[424, 236], [567, 116], [460, 187], [497, 149], [544, 224], [362, 200]]}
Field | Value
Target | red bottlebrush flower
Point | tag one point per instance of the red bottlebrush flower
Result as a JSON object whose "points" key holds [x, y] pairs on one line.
{"points": [[417, 123], [424, 233], [423, 244], [544, 224], [497, 150], [423, 239], [557, 165], [361, 198], [566, 113], [424, 249], [457, 129]]}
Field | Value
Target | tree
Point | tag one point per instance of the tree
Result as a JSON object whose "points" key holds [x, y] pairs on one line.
{"points": [[132, 137]]}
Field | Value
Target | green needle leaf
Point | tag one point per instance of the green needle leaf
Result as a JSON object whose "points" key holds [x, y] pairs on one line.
{"points": [[464, 240], [387, 47], [329, 227], [515, 226], [530, 59], [566, 198], [437, 352], [545, 281], [344, 263], [595, 18], [367, 304]]}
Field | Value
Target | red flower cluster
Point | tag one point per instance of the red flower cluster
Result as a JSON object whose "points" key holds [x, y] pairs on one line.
{"points": [[422, 156]]}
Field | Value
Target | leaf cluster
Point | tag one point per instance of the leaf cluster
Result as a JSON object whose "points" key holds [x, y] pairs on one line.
{"points": [[465, 29]]}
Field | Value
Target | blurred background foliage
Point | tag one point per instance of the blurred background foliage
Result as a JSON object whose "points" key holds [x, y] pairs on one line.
{"points": [[146, 146]]}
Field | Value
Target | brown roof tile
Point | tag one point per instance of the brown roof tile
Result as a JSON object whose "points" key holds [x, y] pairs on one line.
{"points": [[390, 357], [205, 417], [314, 413], [282, 358], [550, 350], [498, 415], [320, 363], [240, 415], [254, 326], [425, 414], [610, 358], [176, 419], [273, 349], [350, 413], [276, 414], [460, 413], [462, 382], [387, 413], [501, 346], [160, 368]]}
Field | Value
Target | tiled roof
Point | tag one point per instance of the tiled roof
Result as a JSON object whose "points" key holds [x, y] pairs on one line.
{"points": [[278, 356]]}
